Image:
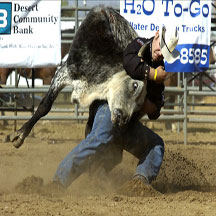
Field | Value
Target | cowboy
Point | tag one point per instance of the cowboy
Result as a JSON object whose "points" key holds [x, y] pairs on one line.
{"points": [[144, 60], [104, 143]]}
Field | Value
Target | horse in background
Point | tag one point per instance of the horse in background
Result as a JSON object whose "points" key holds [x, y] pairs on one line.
{"points": [[45, 73]]}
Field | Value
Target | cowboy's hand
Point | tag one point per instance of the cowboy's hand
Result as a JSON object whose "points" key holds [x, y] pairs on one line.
{"points": [[158, 75], [161, 74]]}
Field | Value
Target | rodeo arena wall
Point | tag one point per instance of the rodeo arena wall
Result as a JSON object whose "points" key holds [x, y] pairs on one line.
{"points": [[33, 35]]}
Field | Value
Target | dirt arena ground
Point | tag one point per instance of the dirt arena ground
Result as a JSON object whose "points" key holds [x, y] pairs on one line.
{"points": [[187, 180]]}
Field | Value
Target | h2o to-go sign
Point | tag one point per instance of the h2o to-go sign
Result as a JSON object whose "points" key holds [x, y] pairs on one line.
{"points": [[30, 33], [192, 18]]}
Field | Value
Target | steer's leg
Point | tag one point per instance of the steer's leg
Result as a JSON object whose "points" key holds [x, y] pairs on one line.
{"points": [[60, 80]]}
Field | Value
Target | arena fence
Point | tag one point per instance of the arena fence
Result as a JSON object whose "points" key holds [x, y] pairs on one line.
{"points": [[183, 113]]}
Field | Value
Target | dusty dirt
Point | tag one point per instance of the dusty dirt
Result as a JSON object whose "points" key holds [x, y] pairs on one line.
{"points": [[185, 186]]}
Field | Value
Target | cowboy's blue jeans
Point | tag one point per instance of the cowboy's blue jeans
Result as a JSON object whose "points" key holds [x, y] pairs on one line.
{"points": [[104, 145]]}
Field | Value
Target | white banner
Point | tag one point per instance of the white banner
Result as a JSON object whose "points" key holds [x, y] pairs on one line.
{"points": [[191, 17], [30, 33]]}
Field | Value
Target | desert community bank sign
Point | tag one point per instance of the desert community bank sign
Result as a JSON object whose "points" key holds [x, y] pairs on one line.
{"points": [[30, 33], [34, 19]]}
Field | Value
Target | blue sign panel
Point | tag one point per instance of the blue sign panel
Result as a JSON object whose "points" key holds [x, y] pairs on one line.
{"points": [[5, 18]]}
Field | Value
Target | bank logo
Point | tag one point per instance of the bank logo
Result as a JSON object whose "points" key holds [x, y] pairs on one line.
{"points": [[5, 18]]}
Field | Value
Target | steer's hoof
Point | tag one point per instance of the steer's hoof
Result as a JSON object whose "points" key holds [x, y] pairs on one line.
{"points": [[16, 140]]}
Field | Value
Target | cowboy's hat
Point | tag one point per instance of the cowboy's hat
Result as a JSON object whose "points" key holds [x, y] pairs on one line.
{"points": [[169, 41]]}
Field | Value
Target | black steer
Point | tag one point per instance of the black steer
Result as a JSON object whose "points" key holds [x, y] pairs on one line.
{"points": [[94, 70]]}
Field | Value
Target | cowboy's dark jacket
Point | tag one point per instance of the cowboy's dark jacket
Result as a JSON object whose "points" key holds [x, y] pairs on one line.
{"points": [[138, 67]]}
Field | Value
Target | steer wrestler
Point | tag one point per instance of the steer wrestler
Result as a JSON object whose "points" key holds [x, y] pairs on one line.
{"points": [[143, 59]]}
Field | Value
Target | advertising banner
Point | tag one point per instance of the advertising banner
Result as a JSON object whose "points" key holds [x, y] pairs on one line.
{"points": [[30, 33], [192, 18]]}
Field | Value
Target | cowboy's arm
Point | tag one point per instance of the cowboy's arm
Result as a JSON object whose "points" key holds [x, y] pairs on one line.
{"points": [[138, 68], [132, 63]]}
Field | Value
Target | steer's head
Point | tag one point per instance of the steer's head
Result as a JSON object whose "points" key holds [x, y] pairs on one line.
{"points": [[125, 96]]}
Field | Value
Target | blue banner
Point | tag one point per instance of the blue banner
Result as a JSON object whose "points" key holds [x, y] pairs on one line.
{"points": [[192, 18], [193, 58]]}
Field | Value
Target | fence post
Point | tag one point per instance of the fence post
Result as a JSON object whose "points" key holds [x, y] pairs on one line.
{"points": [[15, 104], [179, 84], [33, 97], [185, 107]]}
